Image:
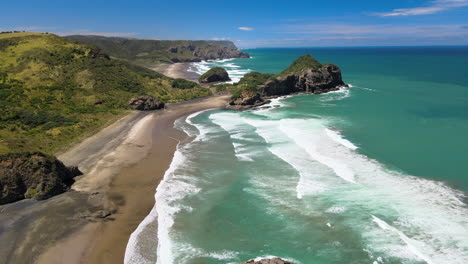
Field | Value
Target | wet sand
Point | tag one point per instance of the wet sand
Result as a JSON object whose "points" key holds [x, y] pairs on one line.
{"points": [[126, 180]]}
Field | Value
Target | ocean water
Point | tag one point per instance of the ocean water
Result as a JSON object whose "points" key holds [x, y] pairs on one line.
{"points": [[375, 173]]}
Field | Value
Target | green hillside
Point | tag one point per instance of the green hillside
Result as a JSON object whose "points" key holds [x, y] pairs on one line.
{"points": [[148, 52], [53, 91]]}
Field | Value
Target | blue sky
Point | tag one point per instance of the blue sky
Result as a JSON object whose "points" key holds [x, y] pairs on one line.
{"points": [[253, 23]]}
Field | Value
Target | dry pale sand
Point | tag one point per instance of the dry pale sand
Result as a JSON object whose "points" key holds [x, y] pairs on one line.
{"points": [[177, 70], [125, 177]]}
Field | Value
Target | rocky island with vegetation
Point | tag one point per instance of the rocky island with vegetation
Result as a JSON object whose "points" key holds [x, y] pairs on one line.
{"points": [[305, 75]]}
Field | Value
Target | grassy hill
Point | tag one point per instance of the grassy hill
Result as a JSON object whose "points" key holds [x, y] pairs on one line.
{"points": [[148, 52], [53, 90]]}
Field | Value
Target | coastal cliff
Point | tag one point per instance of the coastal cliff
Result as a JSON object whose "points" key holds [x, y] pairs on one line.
{"points": [[148, 52], [305, 75]]}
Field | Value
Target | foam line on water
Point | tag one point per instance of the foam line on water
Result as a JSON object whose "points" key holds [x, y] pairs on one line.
{"points": [[337, 137], [292, 129], [380, 190], [237, 130], [409, 242], [342, 93], [310, 180]]}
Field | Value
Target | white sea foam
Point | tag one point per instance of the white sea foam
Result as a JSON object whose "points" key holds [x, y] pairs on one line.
{"points": [[235, 71], [409, 242], [342, 93], [237, 132], [173, 188], [429, 211], [297, 131], [310, 180], [337, 137], [336, 210], [203, 131]]}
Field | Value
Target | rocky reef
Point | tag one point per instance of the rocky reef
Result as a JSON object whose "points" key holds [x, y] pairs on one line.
{"points": [[216, 74], [305, 75], [145, 103], [33, 175], [268, 261]]}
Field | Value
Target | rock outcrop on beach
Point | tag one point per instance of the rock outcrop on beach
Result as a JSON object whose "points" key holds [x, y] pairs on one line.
{"points": [[216, 74], [145, 103], [33, 176], [305, 75], [268, 261]]}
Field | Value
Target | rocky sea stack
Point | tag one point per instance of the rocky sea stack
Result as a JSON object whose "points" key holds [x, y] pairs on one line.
{"points": [[305, 75], [216, 74], [33, 176], [145, 103], [268, 261]]}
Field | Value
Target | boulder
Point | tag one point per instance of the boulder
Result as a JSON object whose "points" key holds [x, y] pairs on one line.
{"points": [[216, 74], [145, 103], [268, 261], [33, 175]]}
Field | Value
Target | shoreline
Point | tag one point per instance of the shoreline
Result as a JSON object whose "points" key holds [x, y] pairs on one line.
{"points": [[123, 179]]}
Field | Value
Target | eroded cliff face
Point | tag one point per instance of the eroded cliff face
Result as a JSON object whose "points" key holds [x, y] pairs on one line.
{"points": [[33, 175], [327, 78]]}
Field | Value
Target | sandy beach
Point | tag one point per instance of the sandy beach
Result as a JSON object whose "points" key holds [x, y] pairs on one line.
{"points": [[128, 177], [177, 70]]}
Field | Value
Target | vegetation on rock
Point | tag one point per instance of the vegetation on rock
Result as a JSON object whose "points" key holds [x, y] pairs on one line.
{"points": [[216, 74], [302, 63], [305, 74]]}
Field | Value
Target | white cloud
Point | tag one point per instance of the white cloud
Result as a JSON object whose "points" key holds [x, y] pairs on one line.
{"points": [[434, 7], [245, 28]]}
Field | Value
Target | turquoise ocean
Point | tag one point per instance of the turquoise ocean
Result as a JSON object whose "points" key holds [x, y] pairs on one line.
{"points": [[375, 173]]}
